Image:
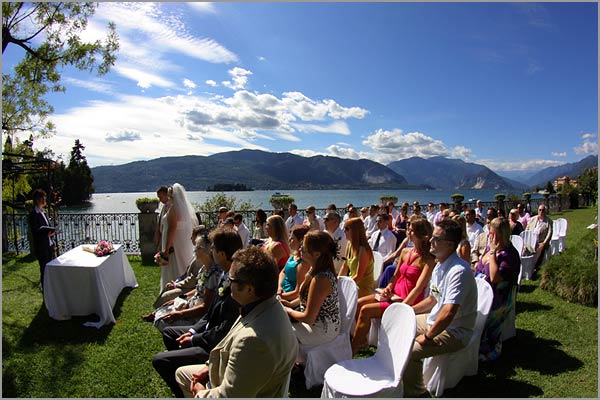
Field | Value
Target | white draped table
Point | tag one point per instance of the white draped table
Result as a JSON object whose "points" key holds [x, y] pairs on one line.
{"points": [[80, 283]]}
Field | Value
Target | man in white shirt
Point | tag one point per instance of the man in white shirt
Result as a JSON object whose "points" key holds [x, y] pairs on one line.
{"points": [[480, 212], [242, 229], [347, 215], [332, 226], [370, 221], [473, 228], [431, 213], [391, 210], [294, 218], [383, 240], [445, 319], [312, 220]]}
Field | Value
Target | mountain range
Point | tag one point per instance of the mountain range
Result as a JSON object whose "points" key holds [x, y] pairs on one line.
{"points": [[280, 171]]}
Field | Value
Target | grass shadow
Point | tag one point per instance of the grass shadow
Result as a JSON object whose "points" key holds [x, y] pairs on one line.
{"points": [[526, 351], [527, 289], [525, 306]]}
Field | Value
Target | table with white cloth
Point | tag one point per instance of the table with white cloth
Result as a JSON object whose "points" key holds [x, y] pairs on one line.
{"points": [[79, 283]]}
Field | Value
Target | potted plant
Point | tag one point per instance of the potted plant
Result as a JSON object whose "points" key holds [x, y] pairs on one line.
{"points": [[147, 204], [281, 202], [457, 198], [388, 197]]}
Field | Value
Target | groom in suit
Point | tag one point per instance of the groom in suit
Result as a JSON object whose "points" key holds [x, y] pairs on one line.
{"points": [[41, 231], [191, 344], [257, 355]]}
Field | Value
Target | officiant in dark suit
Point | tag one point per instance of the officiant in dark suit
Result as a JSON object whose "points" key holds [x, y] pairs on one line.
{"points": [[41, 232]]}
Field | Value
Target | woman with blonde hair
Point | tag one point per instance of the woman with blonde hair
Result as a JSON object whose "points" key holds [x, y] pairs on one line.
{"points": [[464, 247], [276, 244], [359, 257], [408, 284], [318, 319], [515, 226]]}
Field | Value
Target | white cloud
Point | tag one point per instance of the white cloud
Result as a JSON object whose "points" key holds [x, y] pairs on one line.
{"points": [[307, 153], [123, 136], [212, 83], [202, 7], [144, 79], [461, 153], [401, 146], [189, 84], [310, 110], [558, 154], [344, 152], [340, 127], [529, 165], [589, 145], [239, 76], [94, 84], [261, 58]]}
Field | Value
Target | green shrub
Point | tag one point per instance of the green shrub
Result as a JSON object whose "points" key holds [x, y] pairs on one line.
{"points": [[457, 197], [146, 200], [573, 275], [388, 197]]}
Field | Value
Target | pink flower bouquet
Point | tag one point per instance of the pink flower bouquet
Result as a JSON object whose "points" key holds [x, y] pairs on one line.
{"points": [[103, 248]]}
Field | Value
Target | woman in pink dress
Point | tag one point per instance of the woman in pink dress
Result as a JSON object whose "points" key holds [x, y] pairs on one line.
{"points": [[408, 284]]}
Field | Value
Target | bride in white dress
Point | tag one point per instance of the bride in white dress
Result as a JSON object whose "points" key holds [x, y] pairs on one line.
{"points": [[176, 228]]}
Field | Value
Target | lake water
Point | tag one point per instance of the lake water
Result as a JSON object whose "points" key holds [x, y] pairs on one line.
{"points": [[125, 202]]}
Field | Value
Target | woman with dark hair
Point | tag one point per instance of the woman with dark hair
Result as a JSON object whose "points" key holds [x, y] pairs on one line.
{"points": [[407, 285], [318, 319], [359, 257], [294, 271], [41, 231], [499, 266], [260, 232]]}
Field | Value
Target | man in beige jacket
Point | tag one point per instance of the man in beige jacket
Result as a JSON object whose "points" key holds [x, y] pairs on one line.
{"points": [[257, 355]]}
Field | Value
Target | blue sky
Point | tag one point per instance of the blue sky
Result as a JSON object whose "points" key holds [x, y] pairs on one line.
{"points": [[513, 86]]}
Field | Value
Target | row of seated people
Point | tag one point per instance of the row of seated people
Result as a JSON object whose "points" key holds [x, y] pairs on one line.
{"points": [[315, 310]]}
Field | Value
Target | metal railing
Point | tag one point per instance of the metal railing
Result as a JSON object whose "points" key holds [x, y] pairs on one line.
{"points": [[123, 228]]}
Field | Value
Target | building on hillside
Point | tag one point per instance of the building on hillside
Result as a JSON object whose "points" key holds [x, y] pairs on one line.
{"points": [[558, 182]]}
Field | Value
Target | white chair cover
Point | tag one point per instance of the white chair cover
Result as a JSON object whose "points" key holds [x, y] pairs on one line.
{"points": [[529, 240], [554, 240], [562, 235], [319, 358], [381, 374], [377, 266], [517, 242], [528, 261], [446, 370]]}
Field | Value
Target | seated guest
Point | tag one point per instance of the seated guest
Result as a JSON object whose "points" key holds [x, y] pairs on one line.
{"points": [[383, 240], [359, 257], [390, 209], [440, 215], [364, 213], [464, 247], [370, 222], [524, 216], [318, 320], [330, 208], [407, 285], [185, 282], [294, 218], [400, 223], [242, 229], [256, 357], [313, 221], [431, 213], [515, 226], [480, 212], [292, 275], [332, 226], [390, 261], [188, 345], [482, 239], [445, 319], [260, 232], [222, 216], [473, 228], [276, 244], [500, 267], [541, 225], [353, 213], [349, 206], [193, 305]]}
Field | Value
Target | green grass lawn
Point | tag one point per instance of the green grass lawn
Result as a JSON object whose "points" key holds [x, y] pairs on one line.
{"points": [[555, 352]]}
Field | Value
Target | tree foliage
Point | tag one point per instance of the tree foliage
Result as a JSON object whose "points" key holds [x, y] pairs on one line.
{"points": [[79, 182], [57, 28], [588, 183]]}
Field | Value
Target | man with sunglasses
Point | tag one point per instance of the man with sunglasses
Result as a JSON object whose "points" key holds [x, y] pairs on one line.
{"points": [[187, 345], [257, 355], [445, 319]]}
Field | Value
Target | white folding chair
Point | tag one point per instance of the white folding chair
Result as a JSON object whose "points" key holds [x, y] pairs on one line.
{"points": [[517, 242], [528, 261], [381, 374], [562, 235], [377, 266], [320, 357], [446, 370], [554, 247]]}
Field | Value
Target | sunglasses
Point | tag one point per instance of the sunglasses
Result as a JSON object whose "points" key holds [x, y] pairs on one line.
{"points": [[438, 239]]}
